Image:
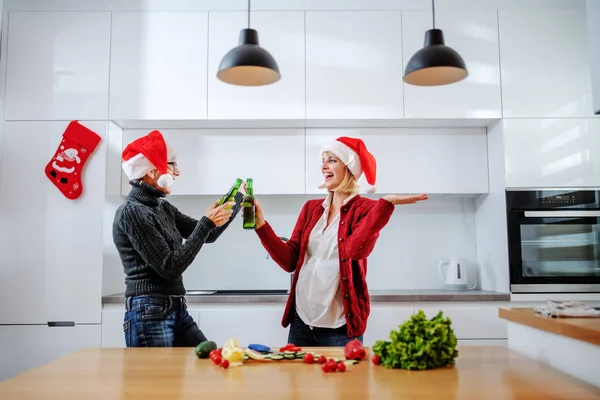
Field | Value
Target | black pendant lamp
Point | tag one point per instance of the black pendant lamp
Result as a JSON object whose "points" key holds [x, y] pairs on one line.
{"points": [[435, 64], [248, 64]]}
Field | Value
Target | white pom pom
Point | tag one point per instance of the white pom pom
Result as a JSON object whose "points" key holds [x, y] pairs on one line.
{"points": [[370, 189], [165, 181]]}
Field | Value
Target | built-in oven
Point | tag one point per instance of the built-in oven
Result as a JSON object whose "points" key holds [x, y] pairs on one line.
{"points": [[554, 240]]}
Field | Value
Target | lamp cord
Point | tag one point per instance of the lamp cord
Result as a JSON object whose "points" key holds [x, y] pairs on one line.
{"points": [[432, 11], [248, 14]]}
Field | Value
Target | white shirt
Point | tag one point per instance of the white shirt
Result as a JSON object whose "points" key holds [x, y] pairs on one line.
{"points": [[318, 294]]}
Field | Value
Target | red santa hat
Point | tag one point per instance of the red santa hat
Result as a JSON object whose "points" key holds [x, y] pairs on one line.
{"points": [[354, 154], [146, 154]]}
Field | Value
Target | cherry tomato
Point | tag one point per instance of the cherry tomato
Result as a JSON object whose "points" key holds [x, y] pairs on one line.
{"points": [[217, 360], [225, 364], [322, 359], [309, 358], [341, 366], [332, 365], [376, 359]]}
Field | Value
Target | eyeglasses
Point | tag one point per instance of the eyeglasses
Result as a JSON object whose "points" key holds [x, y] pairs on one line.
{"points": [[173, 164]]}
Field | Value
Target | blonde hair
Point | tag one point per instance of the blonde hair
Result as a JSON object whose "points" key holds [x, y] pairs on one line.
{"points": [[348, 184]]}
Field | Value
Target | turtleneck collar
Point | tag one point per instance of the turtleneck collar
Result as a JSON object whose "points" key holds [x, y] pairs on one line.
{"points": [[145, 193]]}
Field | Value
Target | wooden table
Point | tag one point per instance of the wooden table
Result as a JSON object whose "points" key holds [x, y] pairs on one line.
{"points": [[584, 329], [169, 374]]}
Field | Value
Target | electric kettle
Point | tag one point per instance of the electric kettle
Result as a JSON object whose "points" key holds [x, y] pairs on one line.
{"points": [[455, 275]]}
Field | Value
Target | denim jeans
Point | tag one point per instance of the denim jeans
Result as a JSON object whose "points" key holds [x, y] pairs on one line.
{"points": [[160, 321], [302, 335]]}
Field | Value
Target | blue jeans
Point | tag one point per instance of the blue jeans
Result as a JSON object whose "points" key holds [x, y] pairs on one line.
{"points": [[302, 335], [160, 321]]}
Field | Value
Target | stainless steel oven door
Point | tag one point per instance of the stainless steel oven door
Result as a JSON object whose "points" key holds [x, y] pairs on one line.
{"points": [[554, 251]]}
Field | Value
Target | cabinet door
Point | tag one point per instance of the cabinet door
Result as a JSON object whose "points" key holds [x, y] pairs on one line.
{"points": [[384, 319], [353, 64], [210, 160], [281, 33], [51, 252], [562, 152], [25, 347], [545, 63], [256, 324], [57, 65], [430, 161], [470, 321], [158, 65], [474, 35]]}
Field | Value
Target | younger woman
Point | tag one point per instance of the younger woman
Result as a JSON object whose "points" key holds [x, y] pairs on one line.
{"points": [[328, 304]]}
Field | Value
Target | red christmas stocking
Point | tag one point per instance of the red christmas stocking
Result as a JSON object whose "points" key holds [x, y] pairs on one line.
{"points": [[64, 170]]}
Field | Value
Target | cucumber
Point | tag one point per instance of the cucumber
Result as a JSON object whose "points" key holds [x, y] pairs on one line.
{"points": [[300, 354], [289, 352], [350, 362], [246, 357], [289, 356], [203, 349], [276, 357]]}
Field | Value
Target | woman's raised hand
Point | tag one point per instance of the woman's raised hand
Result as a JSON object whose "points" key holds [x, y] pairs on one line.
{"points": [[260, 218], [396, 199]]}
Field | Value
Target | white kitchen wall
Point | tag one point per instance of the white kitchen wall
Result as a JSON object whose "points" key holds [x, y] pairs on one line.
{"points": [[405, 257]]}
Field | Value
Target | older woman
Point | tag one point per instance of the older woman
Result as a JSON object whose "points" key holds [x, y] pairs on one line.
{"points": [[328, 304]]}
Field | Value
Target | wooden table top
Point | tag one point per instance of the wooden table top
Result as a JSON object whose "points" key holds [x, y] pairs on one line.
{"points": [[175, 373], [585, 329]]}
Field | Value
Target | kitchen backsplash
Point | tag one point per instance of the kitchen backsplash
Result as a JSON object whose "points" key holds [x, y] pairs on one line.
{"points": [[406, 255]]}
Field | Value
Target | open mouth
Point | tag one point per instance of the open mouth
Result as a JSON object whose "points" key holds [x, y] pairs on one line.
{"points": [[328, 176]]}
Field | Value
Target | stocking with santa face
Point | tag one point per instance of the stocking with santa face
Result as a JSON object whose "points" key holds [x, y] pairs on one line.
{"points": [[64, 170]]}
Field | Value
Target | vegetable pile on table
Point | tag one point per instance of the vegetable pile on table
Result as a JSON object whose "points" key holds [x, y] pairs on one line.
{"points": [[419, 343]]}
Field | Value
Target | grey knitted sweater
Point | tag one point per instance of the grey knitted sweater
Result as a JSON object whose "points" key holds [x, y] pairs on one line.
{"points": [[148, 232]]}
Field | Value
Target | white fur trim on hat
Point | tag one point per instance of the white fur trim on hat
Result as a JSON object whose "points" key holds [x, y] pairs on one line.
{"points": [[347, 155], [137, 166]]}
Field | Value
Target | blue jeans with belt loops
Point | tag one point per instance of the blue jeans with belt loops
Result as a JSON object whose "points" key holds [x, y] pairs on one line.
{"points": [[160, 321]]}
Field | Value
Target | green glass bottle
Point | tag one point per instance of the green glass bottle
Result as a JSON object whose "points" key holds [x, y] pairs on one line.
{"points": [[230, 196], [249, 208]]}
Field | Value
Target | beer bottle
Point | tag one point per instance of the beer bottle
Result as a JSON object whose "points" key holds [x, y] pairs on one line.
{"points": [[230, 196], [249, 208]]}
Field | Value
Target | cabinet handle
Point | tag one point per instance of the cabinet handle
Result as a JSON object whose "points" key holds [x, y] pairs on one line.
{"points": [[53, 324], [562, 214]]}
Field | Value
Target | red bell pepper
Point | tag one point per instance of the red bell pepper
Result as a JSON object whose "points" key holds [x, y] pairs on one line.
{"points": [[354, 350]]}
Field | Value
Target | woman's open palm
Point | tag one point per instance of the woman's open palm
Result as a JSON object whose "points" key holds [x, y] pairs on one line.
{"points": [[396, 199]]}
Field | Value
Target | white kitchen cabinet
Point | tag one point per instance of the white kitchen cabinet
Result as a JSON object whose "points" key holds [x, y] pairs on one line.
{"points": [[412, 160], [210, 160], [57, 65], [159, 65], [470, 320], [474, 35], [51, 251], [384, 319], [248, 324], [561, 152], [353, 64], [112, 327], [281, 33], [25, 347], [544, 64]]}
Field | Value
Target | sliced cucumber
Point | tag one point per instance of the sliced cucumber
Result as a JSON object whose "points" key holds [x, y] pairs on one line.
{"points": [[276, 357], [350, 362], [246, 357], [300, 354], [289, 356], [289, 352]]}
